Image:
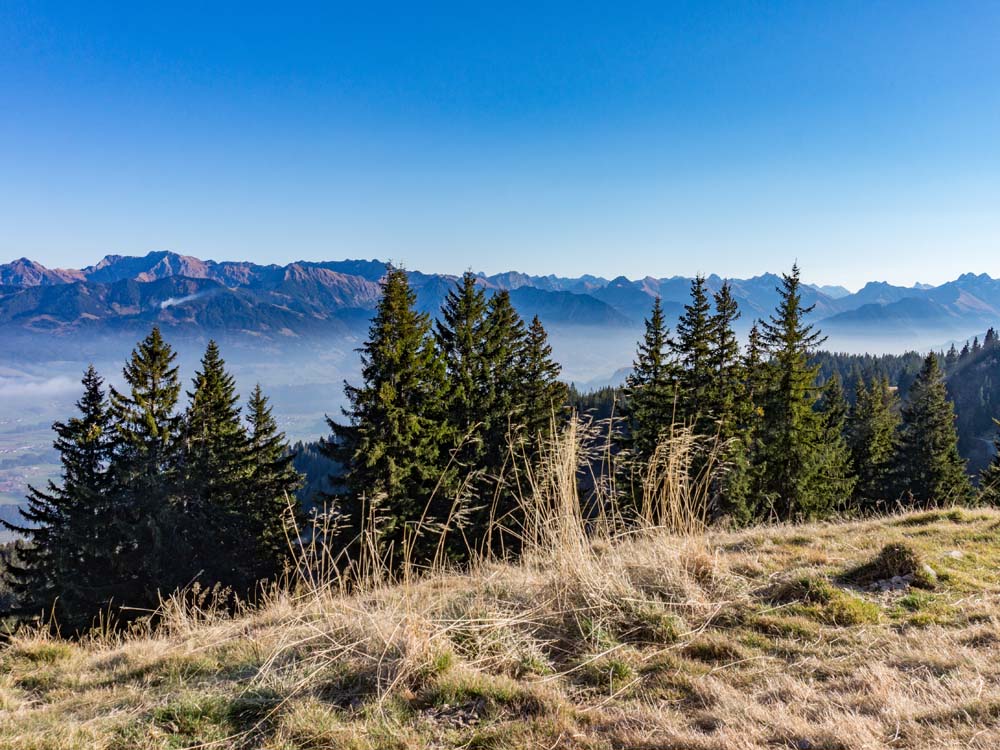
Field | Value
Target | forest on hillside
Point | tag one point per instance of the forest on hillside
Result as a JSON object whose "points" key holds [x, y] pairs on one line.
{"points": [[449, 429]]}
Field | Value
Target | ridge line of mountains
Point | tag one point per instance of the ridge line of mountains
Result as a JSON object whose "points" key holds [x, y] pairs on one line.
{"points": [[293, 301]]}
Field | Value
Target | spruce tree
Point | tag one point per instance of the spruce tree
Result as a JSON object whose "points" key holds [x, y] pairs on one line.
{"points": [[461, 333], [506, 440], [872, 429], [756, 365], [215, 478], [692, 351], [725, 401], [650, 389], [153, 549], [396, 478], [64, 567], [542, 393], [273, 481], [951, 358], [796, 480], [931, 471], [503, 348], [728, 406], [838, 477]]}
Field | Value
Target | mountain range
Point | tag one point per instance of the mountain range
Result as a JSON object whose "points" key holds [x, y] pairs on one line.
{"points": [[282, 303]]}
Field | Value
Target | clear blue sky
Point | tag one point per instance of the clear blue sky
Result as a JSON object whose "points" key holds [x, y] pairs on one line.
{"points": [[862, 138]]}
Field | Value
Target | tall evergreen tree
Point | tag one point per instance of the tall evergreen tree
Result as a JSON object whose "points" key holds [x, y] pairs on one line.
{"points": [[543, 394], [756, 362], [64, 567], [498, 521], [725, 400], [216, 471], [461, 333], [394, 447], [692, 347], [872, 428], [951, 358], [838, 477], [503, 347], [930, 468], [273, 482], [796, 480], [152, 542], [651, 388]]}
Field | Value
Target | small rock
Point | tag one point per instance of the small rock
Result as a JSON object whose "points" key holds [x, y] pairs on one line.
{"points": [[928, 571], [897, 580], [804, 744], [956, 554]]}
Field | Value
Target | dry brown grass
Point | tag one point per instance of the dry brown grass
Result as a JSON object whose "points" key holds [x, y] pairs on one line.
{"points": [[593, 640]]}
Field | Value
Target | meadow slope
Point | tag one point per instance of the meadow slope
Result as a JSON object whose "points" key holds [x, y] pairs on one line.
{"points": [[771, 637]]}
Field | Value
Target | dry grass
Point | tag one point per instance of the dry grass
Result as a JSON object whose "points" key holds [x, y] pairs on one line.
{"points": [[593, 640]]}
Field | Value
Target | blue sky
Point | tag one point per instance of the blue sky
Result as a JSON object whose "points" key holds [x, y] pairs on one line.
{"points": [[860, 138]]}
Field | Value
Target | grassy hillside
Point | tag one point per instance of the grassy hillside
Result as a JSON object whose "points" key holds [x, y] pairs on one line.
{"points": [[770, 637]]}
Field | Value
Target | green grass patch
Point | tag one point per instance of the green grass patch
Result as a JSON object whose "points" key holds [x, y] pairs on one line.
{"points": [[194, 718], [715, 649], [41, 652], [893, 560], [607, 672], [785, 626], [492, 694]]}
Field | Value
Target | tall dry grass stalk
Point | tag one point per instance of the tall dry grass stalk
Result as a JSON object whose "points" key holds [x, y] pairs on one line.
{"points": [[677, 482], [669, 493]]}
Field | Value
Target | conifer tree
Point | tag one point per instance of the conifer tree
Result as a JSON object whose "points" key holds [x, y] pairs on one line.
{"points": [[273, 481], [756, 363], [741, 501], [838, 477], [394, 447], [692, 350], [796, 480], [650, 390], [728, 405], [151, 539], [461, 334], [951, 358], [216, 471], [504, 346], [65, 565], [505, 435], [543, 394], [724, 399], [872, 429], [931, 471]]}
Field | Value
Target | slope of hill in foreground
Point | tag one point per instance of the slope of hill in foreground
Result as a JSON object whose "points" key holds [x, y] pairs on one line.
{"points": [[771, 637]]}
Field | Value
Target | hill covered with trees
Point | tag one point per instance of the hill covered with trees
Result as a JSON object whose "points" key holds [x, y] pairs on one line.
{"points": [[451, 427]]}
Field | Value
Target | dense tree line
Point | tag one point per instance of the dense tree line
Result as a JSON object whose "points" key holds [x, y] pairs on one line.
{"points": [[153, 497], [440, 437], [796, 446], [448, 417]]}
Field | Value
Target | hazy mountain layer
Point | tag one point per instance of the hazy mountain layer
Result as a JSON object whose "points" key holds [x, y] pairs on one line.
{"points": [[299, 300]]}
